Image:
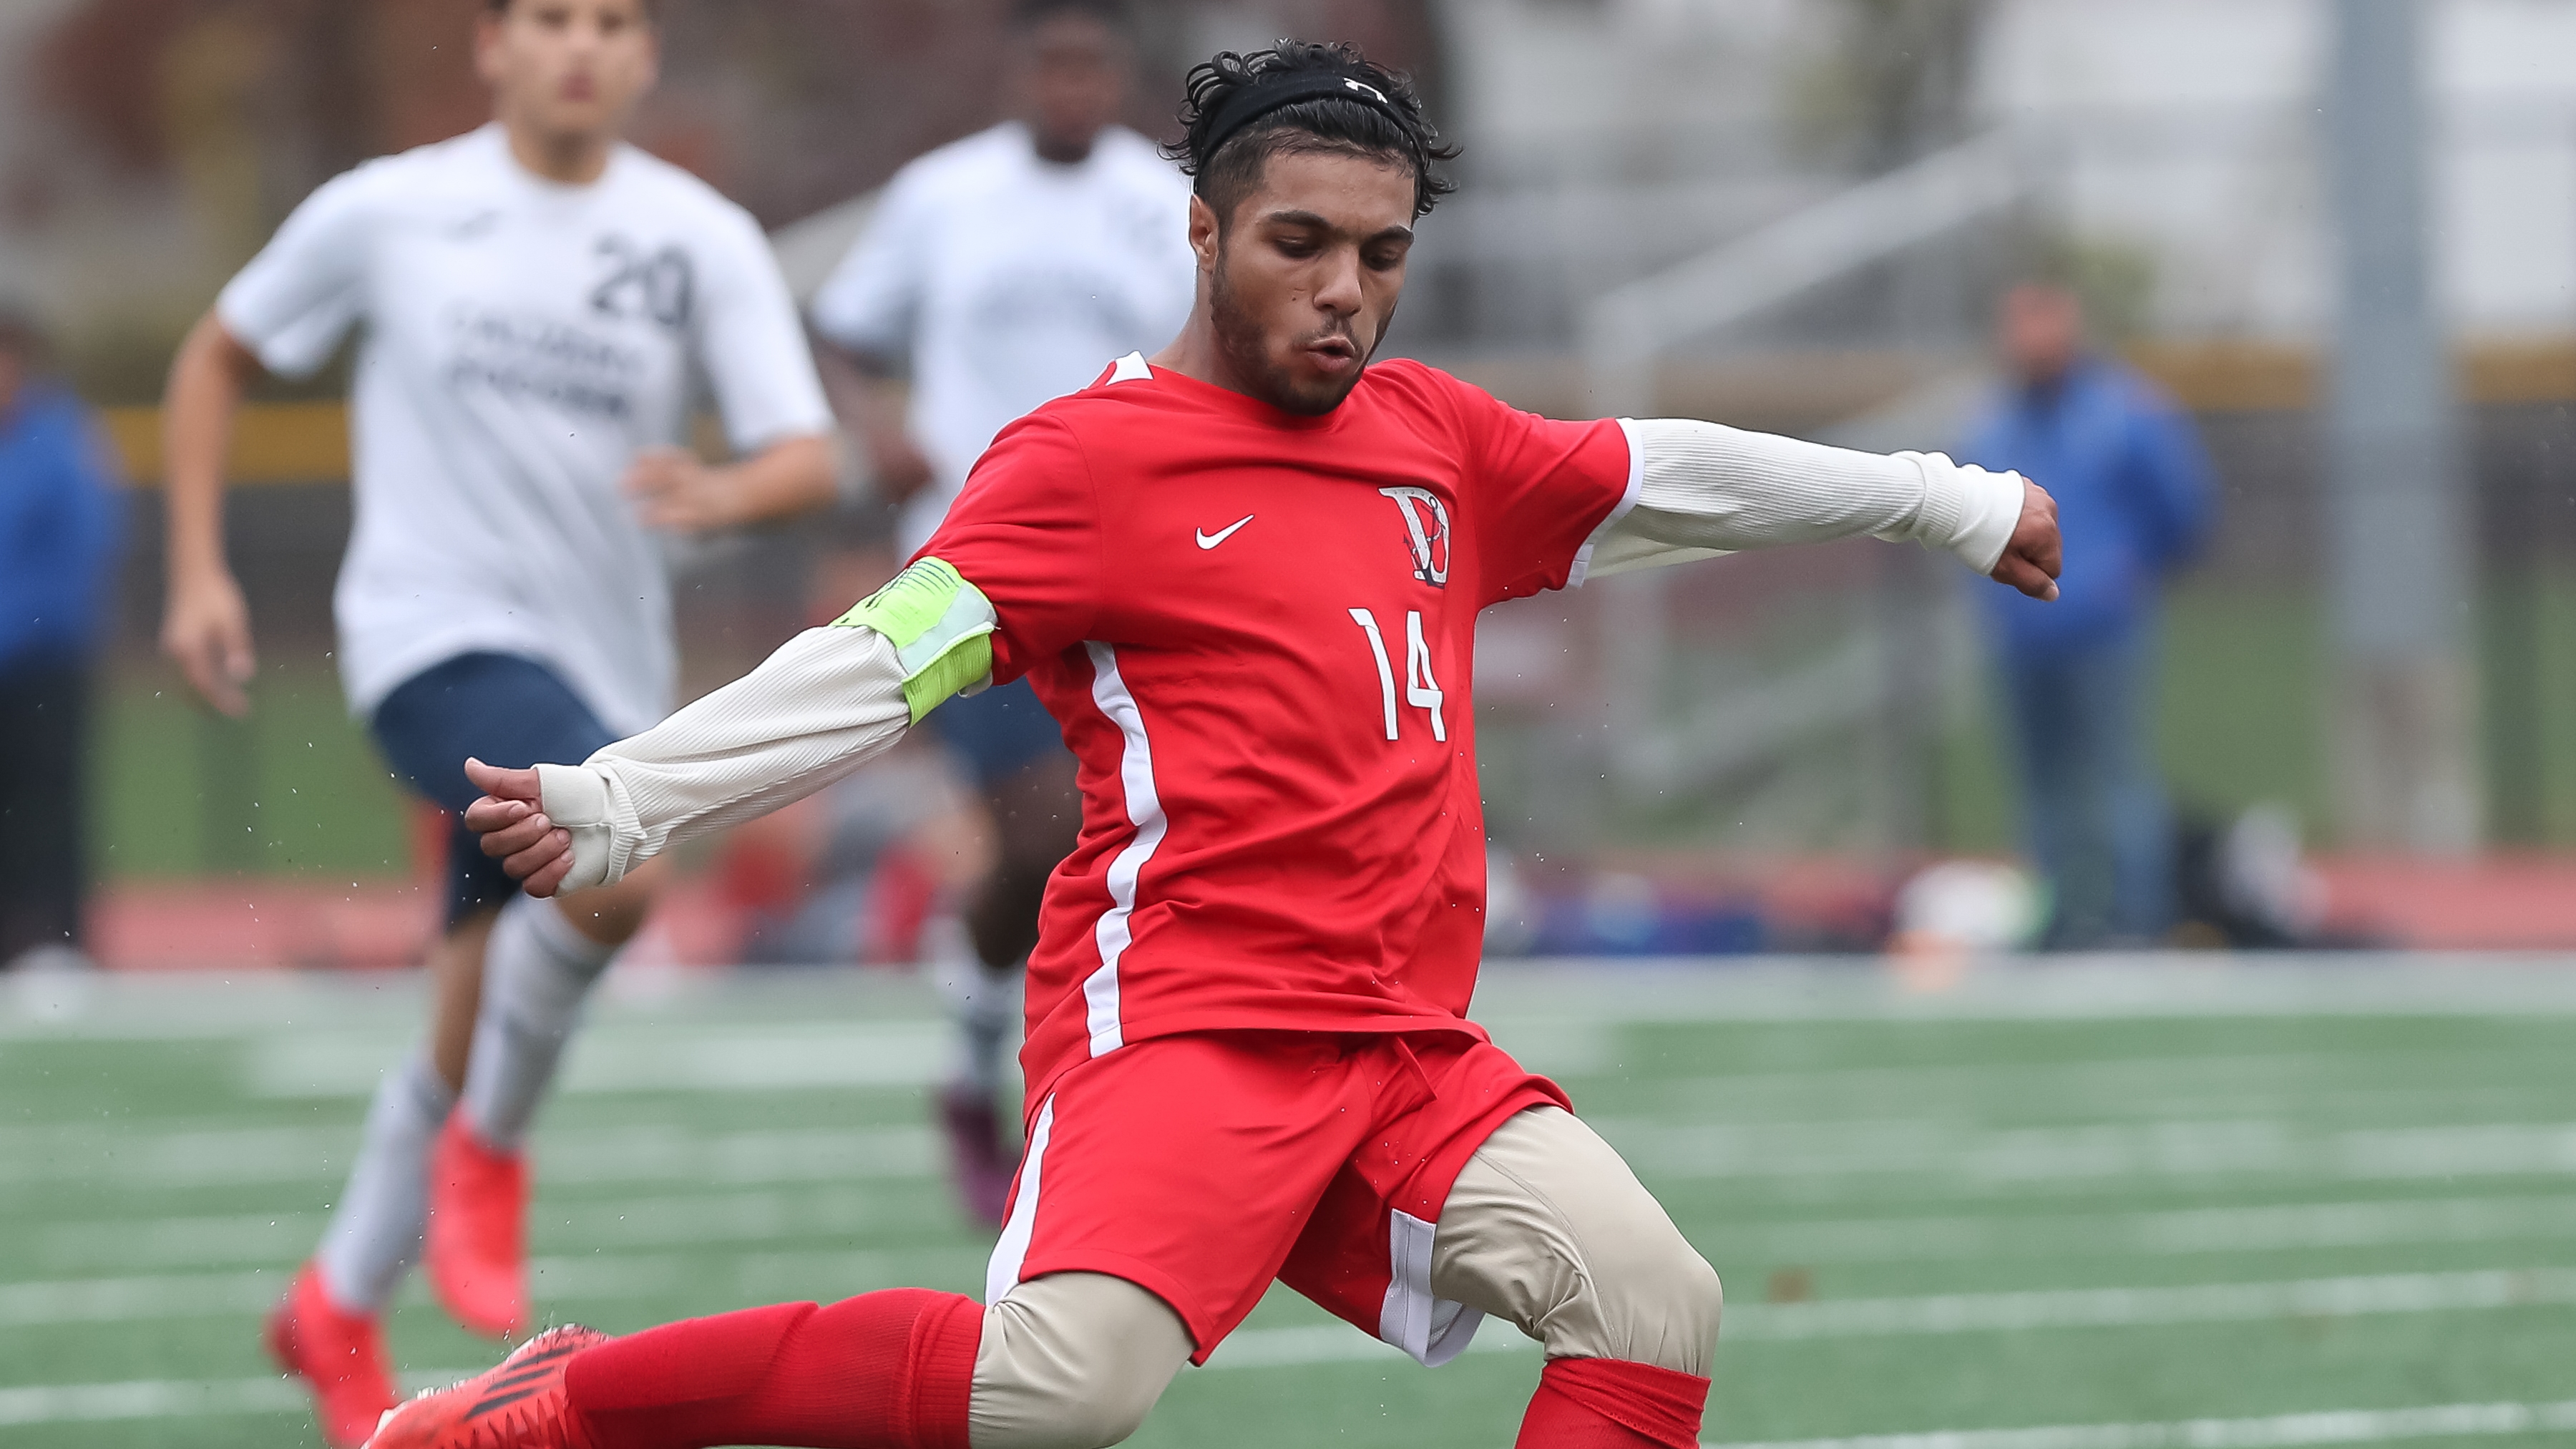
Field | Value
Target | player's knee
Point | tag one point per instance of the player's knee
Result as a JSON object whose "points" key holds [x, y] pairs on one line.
{"points": [[1661, 1302], [1072, 1361], [1093, 1417]]}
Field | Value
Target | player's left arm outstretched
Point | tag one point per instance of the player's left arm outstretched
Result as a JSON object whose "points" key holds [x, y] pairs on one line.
{"points": [[1703, 489], [832, 698], [828, 701]]}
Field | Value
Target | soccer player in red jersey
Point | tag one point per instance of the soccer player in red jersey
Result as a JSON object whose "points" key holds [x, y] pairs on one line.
{"points": [[1244, 575]]}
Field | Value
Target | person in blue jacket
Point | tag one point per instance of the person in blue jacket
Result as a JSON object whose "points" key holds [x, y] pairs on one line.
{"points": [[61, 516], [2133, 497]]}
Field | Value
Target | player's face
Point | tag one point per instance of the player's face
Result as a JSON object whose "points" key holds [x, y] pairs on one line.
{"points": [[1304, 278], [568, 68], [1071, 76]]}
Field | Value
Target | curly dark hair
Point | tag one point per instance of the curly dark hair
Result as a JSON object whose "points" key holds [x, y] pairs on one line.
{"points": [[1394, 131]]}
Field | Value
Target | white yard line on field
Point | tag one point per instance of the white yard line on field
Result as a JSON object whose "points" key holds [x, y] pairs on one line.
{"points": [[2309, 1298], [658, 1154], [582, 1278], [109, 1300], [2270, 1228], [617, 1221], [146, 1399], [779, 1057], [175, 1242], [2139, 986], [750, 1219], [1980, 1157], [2276, 1431], [1952, 1313], [201, 1295], [830, 1274], [2019, 1157], [177, 1398], [2389, 1085], [2187, 985], [172, 1398]]}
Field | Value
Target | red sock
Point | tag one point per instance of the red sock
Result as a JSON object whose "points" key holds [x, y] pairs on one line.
{"points": [[886, 1370], [1605, 1403]]}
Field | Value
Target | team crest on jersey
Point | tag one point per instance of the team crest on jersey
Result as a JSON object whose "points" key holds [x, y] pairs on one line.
{"points": [[1426, 532]]}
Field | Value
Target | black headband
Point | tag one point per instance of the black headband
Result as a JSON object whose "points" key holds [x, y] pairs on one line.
{"points": [[1259, 99]]}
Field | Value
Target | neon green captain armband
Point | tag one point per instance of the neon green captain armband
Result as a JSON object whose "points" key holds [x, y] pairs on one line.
{"points": [[941, 627]]}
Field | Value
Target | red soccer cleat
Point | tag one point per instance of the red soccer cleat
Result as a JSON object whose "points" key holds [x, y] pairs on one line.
{"points": [[978, 1162], [519, 1404], [341, 1355], [476, 1250]]}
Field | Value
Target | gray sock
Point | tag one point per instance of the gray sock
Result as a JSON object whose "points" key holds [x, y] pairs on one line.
{"points": [[536, 973], [374, 1237]]}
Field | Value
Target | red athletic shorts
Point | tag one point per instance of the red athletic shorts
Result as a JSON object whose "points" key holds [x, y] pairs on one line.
{"points": [[1201, 1167]]}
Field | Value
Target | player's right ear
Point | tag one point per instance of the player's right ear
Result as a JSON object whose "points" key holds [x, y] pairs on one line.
{"points": [[1203, 229]]}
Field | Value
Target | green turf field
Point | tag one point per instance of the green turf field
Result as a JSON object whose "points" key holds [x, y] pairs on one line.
{"points": [[2165, 1205]]}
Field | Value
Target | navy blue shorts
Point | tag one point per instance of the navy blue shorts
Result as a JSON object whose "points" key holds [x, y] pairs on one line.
{"points": [[999, 732], [502, 709]]}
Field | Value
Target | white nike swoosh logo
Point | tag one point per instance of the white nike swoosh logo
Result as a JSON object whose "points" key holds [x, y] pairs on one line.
{"points": [[1211, 540]]}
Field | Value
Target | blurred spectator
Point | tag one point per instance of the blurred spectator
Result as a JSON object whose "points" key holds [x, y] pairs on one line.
{"points": [[2133, 497], [60, 516]]}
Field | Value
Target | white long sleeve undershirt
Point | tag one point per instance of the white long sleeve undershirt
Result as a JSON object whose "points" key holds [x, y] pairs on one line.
{"points": [[827, 702], [1703, 489], [832, 698]]}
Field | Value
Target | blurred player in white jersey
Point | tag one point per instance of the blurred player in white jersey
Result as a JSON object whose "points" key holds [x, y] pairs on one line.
{"points": [[1008, 269], [535, 299]]}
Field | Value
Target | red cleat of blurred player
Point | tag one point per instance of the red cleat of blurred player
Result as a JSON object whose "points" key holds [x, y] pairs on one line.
{"points": [[476, 1248], [339, 1354], [517, 1405]]}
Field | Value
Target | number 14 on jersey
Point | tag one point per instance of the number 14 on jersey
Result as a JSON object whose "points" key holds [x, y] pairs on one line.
{"points": [[1420, 689]]}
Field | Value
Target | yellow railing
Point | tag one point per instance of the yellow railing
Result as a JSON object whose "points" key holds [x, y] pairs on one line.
{"points": [[2264, 376], [304, 442], [299, 442]]}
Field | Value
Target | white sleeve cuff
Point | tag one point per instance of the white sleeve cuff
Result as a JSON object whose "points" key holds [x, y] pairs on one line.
{"points": [[582, 801], [1966, 509]]}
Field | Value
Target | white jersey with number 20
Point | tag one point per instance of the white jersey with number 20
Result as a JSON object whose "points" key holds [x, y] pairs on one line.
{"points": [[523, 340]]}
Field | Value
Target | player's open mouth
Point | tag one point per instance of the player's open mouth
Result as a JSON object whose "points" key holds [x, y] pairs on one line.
{"points": [[1333, 354]]}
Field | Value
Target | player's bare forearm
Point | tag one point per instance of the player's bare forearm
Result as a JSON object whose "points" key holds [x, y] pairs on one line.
{"points": [[675, 489], [870, 400], [205, 628], [788, 477], [207, 380]]}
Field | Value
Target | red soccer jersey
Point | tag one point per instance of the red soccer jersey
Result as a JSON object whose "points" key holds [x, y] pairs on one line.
{"points": [[1258, 632]]}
